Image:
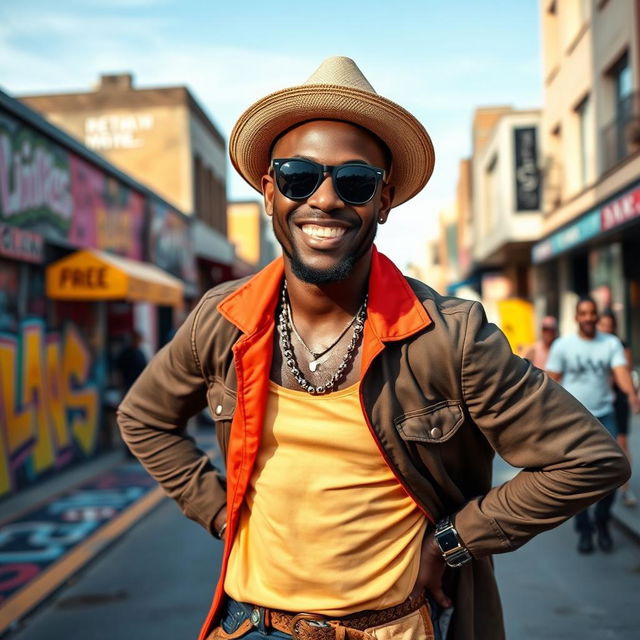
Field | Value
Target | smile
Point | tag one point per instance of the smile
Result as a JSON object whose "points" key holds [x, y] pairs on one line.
{"points": [[317, 231]]}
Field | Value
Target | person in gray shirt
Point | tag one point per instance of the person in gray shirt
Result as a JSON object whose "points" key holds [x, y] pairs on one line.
{"points": [[585, 364]]}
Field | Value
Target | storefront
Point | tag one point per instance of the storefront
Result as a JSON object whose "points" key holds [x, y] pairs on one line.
{"points": [[597, 254], [87, 256]]}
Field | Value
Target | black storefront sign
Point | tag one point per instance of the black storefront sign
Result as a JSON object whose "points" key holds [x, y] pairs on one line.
{"points": [[20, 244], [527, 174]]}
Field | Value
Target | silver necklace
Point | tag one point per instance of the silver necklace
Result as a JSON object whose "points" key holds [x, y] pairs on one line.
{"points": [[284, 323], [318, 358]]}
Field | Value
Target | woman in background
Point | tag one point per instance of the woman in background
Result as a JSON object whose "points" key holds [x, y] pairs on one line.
{"points": [[609, 324]]}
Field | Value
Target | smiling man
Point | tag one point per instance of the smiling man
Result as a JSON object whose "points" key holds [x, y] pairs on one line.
{"points": [[357, 410], [586, 363]]}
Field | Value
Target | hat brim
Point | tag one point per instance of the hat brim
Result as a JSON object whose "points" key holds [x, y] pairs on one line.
{"points": [[412, 153]]}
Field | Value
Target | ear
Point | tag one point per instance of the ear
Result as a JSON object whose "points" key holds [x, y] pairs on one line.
{"points": [[386, 200], [268, 190]]}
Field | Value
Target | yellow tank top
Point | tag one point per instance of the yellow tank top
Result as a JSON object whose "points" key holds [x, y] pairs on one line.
{"points": [[326, 527]]}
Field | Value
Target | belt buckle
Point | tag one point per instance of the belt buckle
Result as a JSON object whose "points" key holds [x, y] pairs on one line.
{"points": [[312, 619]]}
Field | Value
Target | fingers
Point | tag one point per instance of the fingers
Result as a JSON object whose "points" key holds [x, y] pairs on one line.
{"points": [[439, 596]]}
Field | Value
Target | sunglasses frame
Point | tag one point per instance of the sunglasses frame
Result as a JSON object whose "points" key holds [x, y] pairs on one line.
{"points": [[323, 170]]}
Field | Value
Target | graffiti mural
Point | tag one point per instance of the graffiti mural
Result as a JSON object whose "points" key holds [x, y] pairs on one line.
{"points": [[35, 181], [49, 409], [35, 540], [47, 189]]}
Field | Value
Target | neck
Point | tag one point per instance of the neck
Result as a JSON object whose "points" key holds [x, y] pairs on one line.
{"points": [[586, 336]]}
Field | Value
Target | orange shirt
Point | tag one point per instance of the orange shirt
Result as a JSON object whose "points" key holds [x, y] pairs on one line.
{"points": [[326, 527]]}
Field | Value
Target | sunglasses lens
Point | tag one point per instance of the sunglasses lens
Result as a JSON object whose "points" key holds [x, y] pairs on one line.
{"points": [[356, 184], [297, 179]]}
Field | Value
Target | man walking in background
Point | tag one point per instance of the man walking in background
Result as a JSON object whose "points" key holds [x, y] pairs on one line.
{"points": [[586, 364]]}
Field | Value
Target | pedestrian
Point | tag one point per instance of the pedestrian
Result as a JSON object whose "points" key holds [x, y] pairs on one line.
{"points": [[539, 352], [357, 410], [608, 324], [586, 363], [131, 361]]}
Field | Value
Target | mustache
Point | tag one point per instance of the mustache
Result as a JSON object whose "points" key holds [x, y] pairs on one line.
{"points": [[309, 214]]}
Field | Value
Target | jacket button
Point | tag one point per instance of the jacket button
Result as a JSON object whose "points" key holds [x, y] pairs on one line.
{"points": [[218, 409], [436, 432]]}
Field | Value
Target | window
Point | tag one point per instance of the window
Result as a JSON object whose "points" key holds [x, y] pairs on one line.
{"points": [[621, 75], [621, 136]]}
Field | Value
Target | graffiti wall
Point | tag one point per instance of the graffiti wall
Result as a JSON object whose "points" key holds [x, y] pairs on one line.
{"points": [[170, 242], [49, 409], [49, 190]]}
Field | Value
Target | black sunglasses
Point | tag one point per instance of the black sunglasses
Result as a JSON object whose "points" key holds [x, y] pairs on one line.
{"points": [[298, 178]]}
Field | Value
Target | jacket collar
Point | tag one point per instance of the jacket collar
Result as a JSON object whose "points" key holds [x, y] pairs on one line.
{"points": [[393, 312]]}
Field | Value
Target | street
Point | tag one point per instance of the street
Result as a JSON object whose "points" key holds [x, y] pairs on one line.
{"points": [[157, 581]]}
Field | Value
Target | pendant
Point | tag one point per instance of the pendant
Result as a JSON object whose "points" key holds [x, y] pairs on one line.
{"points": [[313, 365]]}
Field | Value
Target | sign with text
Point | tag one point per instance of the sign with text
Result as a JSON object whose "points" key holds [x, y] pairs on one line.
{"points": [[21, 245], [621, 210], [527, 175]]}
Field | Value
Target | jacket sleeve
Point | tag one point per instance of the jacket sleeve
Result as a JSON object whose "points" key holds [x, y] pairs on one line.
{"points": [[153, 418], [568, 460]]}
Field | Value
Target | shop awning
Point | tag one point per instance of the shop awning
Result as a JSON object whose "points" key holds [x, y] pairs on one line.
{"points": [[95, 275]]}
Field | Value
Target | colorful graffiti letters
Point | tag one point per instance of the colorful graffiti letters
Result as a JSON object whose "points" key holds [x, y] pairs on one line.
{"points": [[35, 181], [48, 403]]}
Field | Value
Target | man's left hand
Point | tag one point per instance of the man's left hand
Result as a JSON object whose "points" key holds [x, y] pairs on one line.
{"points": [[432, 566]]}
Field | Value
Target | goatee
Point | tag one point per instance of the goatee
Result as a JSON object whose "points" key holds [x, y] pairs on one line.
{"points": [[336, 273]]}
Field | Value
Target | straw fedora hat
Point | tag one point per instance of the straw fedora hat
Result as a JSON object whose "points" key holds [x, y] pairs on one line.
{"points": [[337, 90]]}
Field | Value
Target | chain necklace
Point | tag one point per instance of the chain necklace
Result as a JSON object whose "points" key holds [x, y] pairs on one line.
{"points": [[318, 358], [284, 323]]}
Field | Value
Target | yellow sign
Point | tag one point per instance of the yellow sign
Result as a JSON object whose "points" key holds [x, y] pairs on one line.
{"points": [[517, 322], [95, 275]]}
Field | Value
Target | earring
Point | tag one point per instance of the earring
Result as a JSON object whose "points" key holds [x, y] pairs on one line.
{"points": [[381, 220]]}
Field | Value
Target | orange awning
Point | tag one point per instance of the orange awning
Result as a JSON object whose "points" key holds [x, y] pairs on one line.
{"points": [[95, 275]]}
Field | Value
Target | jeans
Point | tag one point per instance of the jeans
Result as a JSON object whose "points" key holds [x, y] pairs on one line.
{"points": [[602, 510], [236, 613]]}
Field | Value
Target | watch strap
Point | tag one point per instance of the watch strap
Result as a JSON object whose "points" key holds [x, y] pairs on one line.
{"points": [[455, 554]]}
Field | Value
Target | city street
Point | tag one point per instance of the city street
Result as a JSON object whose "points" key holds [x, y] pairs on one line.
{"points": [[156, 584]]}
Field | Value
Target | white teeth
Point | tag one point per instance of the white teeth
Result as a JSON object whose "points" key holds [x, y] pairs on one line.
{"points": [[316, 231]]}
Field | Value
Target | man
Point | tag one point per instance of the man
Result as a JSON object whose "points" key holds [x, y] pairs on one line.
{"points": [[357, 410], [131, 361], [539, 352], [584, 363]]}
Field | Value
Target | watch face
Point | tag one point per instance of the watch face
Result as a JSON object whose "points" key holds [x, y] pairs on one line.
{"points": [[448, 540]]}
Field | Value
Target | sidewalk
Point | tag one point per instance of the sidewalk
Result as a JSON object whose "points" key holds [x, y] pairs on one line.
{"points": [[626, 518], [50, 532]]}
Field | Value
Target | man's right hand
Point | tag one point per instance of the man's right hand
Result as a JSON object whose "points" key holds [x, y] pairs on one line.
{"points": [[219, 521]]}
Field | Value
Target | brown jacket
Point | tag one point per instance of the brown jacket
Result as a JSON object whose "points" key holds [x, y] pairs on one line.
{"points": [[440, 390]]}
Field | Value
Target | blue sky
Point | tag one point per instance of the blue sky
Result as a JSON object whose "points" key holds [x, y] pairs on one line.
{"points": [[438, 59]]}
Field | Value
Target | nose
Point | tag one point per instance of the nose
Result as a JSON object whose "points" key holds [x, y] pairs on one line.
{"points": [[325, 197]]}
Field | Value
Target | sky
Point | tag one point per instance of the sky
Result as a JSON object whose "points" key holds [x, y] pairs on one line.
{"points": [[440, 60]]}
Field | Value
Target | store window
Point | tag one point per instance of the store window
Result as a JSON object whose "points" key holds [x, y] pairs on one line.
{"points": [[606, 279]]}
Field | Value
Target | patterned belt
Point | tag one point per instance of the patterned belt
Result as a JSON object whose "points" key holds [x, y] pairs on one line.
{"points": [[311, 626]]}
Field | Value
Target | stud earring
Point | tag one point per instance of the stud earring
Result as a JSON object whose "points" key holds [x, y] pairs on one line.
{"points": [[381, 220]]}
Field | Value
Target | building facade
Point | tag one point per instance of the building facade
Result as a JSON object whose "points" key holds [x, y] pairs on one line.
{"points": [[591, 146], [87, 255], [251, 234], [159, 136]]}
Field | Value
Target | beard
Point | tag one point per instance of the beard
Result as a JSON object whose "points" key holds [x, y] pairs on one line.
{"points": [[337, 272]]}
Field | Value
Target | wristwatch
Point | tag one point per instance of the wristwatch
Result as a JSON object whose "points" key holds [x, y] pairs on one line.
{"points": [[455, 554]]}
